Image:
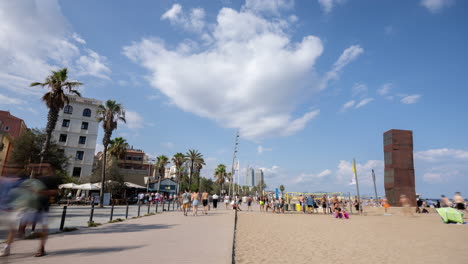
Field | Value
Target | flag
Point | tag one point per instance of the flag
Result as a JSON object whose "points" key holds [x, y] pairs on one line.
{"points": [[353, 179]]}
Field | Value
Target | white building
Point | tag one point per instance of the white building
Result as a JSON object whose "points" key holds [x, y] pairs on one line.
{"points": [[259, 177], [76, 132], [250, 177]]}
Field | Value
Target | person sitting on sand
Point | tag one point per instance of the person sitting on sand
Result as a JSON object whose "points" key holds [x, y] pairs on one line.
{"points": [[338, 213], [235, 206]]}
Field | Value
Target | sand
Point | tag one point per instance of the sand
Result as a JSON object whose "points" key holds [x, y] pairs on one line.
{"points": [[298, 238]]}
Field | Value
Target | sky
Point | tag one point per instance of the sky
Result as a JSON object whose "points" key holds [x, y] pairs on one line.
{"points": [[309, 85]]}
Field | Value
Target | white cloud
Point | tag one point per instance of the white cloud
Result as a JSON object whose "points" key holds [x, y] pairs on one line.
{"points": [[411, 99], [305, 178], [327, 5], [348, 55], [134, 120], [359, 89], [269, 6], [173, 13], [93, 64], [441, 154], [78, 38], [194, 21], [35, 39], [432, 177], [168, 145], [348, 105], [385, 89], [363, 102], [261, 149], [238, 70], [435, 6], [345, 175], [6, 100]]}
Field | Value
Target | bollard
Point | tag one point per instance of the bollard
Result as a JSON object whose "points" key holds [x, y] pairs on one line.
{"points": [[173, 205], [126, 213], [169, 206], [91, 214], [64, 214], [112, 212], [149, 207], [139, 206], [157, 206]]}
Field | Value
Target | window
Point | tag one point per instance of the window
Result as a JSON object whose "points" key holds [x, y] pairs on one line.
{"points": [[388, 157], [79, 155], [82, 140], [76, 172], [7, 128], [66, 123], [84, 125], [87, 112], [63, 138], [68, 109]]}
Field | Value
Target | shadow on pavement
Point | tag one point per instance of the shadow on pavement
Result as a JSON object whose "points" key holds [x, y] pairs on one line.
{"points": [[119, 228], [85, 251]]}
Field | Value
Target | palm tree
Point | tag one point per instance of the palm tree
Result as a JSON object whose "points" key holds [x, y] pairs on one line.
{"points": [[161, 163], [281, 189], [198, 166], [193, 157], [118, 148], [109, 114], [55, 99], [220, 175], [178, 159]]}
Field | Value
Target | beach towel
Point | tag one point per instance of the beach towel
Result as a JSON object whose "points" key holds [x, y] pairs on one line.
{"points": [[450, 215]]}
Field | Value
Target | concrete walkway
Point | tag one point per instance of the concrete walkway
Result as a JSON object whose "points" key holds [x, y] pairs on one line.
{"points": [[163, 238]]}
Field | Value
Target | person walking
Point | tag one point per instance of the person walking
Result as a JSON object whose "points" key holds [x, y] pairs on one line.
{"points": [[226, 201], [249, 203], [195, 201], [310, 204], [186, 201], [215, 201], [323, 200], [205, 202]]}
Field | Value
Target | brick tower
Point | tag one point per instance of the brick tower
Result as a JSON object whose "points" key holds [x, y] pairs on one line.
{"points": [[399, 168]]}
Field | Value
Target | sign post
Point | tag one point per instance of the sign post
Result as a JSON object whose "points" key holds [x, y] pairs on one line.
{"points": [[357, 186]]}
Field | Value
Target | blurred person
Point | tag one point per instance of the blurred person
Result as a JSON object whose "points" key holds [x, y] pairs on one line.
{"points": [[249, 203], [445, 202], [419, 204], [205, 202], [185, 201], [195, 200], [459, 202], [385, 204], [281, 205], [215, 201], [262, 203], [323, 201], [405, 203], [356, 205], [226, 201], [310, 204]]}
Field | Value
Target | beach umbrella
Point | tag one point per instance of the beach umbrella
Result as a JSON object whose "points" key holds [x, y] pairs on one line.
{"points": [[88, 187], [450, 215], [134, 186], [68, 186]]}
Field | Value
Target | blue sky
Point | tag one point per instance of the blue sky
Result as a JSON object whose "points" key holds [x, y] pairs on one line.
{"points": [[309, 84]]}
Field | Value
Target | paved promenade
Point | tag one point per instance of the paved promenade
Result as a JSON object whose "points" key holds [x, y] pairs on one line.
{"points": [[164, 238]]}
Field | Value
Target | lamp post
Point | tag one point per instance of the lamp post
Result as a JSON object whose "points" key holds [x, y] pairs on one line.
{"points": [[232, 165]]}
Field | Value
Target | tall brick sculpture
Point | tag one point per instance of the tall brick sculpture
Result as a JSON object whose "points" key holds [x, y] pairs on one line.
{"points": [[399, 167]]}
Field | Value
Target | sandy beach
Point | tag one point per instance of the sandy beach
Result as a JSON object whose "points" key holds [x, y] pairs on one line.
{"points": [[298, 238]]}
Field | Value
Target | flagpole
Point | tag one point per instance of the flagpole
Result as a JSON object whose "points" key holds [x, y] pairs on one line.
{"points": [[357, 186], [375, 189]]}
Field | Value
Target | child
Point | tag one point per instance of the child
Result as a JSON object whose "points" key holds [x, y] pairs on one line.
{"points": [[338, 213]]}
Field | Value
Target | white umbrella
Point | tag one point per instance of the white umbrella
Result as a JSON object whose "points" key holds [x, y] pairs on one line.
{"points": [[68, 186], [88, 187], [132, 185]]}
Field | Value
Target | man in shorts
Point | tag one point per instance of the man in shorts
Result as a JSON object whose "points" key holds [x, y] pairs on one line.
{"points": [[186, 201], [205, 202]]}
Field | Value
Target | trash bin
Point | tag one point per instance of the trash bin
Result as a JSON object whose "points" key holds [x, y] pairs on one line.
{"points": [[298, 207], [286, 207]]}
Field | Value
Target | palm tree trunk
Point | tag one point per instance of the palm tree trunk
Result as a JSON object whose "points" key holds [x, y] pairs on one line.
{"points": [[103, 177], [52, 118], [191, 174]]}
